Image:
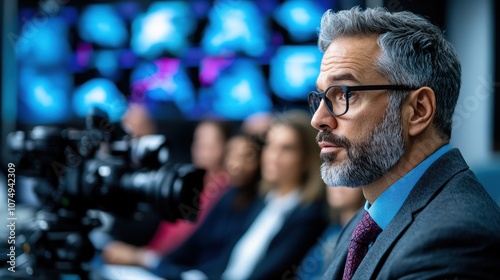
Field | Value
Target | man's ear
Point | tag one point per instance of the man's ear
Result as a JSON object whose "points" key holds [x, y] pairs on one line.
{"points": [[422, 107]]}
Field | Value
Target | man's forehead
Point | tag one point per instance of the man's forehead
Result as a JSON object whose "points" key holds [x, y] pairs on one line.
{"points": [[355, 47], [350, 59]]}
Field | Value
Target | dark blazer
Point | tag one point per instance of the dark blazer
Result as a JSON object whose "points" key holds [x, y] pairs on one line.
{"points": [[448, 228], [208, 249], [300, 231]]}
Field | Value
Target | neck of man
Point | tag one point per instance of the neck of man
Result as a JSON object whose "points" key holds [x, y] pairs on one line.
{"points": [[418, 148]]}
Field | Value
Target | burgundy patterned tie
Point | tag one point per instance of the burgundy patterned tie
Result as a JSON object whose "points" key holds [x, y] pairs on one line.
{"points": [[365, 233]]}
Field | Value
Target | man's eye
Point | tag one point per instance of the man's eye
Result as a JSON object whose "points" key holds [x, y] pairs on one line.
{"points": [[342, 96]]}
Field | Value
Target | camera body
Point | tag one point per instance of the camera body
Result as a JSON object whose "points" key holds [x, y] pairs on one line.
{"points": [[101, 168]]}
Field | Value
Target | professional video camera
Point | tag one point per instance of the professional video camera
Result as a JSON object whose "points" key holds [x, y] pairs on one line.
{"points": [[101, 168]]}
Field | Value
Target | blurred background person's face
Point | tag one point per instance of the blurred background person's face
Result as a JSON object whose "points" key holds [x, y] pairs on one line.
{"points": [[207, 149], [282, 158], [344, 198], [241, 161], [137, 121]]}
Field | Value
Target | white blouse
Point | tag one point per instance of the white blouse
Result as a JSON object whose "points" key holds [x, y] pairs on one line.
{"points": [[254, 243]]}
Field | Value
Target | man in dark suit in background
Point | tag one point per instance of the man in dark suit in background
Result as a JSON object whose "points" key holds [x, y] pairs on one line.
{"points": [[388, 86]]}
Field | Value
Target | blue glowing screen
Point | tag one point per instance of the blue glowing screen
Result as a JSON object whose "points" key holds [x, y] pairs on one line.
{"points": [[164, 27], [101, 93], [236, 26], [300, 18], [294, 70], [186, 60], [164, 80], [239, 91]]}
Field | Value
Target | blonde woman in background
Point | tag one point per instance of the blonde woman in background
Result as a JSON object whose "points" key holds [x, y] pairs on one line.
{"points": [[293, 211]]}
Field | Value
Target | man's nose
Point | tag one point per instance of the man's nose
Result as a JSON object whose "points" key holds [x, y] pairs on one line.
{"points": [[322, 119]]}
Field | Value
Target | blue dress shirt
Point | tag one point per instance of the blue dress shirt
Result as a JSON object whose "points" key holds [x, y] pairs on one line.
{"points": [[387, 205]]}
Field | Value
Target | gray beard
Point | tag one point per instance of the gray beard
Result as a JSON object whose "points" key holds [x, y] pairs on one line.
{"points": [[368, 160]]}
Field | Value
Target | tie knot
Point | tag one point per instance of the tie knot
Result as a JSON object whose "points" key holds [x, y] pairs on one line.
{"points": [[366, 231]]}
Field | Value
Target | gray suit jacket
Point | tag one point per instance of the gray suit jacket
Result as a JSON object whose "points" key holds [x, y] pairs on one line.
{"points": [[448, 228]]}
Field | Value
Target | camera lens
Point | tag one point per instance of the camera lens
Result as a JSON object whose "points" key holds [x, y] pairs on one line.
{"points": [[172, 191]]}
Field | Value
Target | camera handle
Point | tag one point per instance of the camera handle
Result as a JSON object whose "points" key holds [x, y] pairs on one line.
{"points": [[60, 244]]}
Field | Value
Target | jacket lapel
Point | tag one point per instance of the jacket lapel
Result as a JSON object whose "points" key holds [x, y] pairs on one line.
{"points": [[432, 181], [381, 248], [336, 268]]}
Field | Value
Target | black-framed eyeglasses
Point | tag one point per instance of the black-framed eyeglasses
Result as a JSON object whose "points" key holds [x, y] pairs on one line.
{"points": [[336, 97]]}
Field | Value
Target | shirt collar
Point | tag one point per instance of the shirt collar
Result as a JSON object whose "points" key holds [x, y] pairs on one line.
{"points": [[387, 205], [283, 203]]}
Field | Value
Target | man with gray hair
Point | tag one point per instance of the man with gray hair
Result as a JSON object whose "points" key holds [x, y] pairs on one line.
{"points": [[387, 89]]}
